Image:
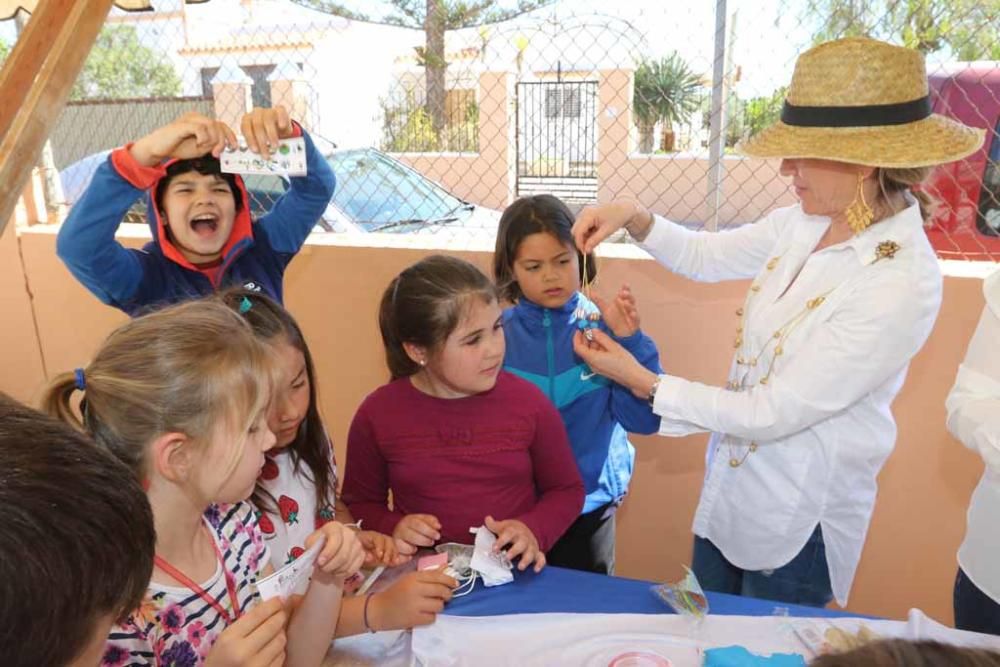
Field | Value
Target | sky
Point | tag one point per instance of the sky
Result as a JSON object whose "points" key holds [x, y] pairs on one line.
{"points": [[766, 34], [763, 51]]}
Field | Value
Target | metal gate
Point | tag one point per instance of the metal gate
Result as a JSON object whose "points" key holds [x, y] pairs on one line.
{"points": [[556, 139]]}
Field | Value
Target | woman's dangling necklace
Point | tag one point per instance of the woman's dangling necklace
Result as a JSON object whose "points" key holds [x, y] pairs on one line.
{"points": [[884, 250]]}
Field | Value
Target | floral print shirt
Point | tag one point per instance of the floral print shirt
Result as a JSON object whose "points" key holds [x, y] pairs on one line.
{"points": [[175, 627]]}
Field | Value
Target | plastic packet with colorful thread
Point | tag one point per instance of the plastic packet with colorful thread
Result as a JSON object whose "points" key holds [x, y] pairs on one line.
{"points": [[685, 597], [459, 556]]}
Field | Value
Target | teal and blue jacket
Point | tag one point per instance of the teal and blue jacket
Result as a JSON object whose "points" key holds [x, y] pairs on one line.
{"points": [[597, 412]]}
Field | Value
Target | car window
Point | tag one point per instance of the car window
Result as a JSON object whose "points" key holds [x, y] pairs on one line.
{"points": [[378, 192], [988, 220]]}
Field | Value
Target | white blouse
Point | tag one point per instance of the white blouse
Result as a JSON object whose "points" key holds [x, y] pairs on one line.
{"points": [[974, 418], [803, 428]]}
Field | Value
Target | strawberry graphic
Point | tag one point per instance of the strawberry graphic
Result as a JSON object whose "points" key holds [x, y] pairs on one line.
{"points": [[289, 510], [294, 553], [266, 525], [269, 471], [324, 516]]}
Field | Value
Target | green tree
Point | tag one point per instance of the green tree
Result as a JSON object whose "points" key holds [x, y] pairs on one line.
{"points": [[667, 90], [967, 29], [760, 112], [120, 66], [435, 18], [4, 50]]}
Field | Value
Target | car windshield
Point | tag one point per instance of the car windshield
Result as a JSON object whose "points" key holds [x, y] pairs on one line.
{"points": [[379, 193]]}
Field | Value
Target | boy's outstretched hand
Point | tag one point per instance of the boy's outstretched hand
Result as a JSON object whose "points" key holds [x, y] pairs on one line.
{"points": [[190, 136], [262, 128]]}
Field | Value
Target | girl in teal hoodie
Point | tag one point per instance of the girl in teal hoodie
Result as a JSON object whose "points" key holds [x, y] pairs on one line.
{"points": [[538, 269]]}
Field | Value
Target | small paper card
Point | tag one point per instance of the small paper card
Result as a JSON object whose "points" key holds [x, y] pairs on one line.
{"points": [[288, 159], [293, 577]]}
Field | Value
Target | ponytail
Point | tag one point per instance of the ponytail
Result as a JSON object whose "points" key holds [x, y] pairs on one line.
{"points": [[57, 400]]}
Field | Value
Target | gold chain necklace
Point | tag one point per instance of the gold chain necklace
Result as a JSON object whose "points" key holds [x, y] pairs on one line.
{"points": [[884, 250]]}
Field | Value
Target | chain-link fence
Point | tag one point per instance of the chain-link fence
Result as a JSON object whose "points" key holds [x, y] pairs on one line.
{"points": [[434, 126]]}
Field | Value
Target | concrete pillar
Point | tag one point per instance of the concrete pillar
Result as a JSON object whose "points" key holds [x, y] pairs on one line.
{"points": [[614, 122], [289, 89]]}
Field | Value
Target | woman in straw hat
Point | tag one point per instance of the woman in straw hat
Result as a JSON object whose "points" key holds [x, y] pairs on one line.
{"points": [[845, 291]]}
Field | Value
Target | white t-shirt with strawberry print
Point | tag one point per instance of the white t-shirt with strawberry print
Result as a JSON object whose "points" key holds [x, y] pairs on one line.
{"points": [[297, 517]]}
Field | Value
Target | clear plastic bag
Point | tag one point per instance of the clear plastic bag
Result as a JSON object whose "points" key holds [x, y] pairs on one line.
{"points": [[685, 597]]}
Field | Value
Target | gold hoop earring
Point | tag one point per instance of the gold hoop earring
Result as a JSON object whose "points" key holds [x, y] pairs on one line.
{"points": [[859, 213]]}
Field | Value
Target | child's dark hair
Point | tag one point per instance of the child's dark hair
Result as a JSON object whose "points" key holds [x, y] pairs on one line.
{"points": [[904, 653], [527, 216], [206, 165], [273, 324], [76, 540], [424, 304]]}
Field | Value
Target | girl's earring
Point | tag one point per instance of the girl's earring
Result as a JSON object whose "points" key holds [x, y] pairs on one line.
{"points": [[423, 362]]}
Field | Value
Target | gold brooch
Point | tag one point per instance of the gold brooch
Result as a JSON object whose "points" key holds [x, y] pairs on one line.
{"points": [[886, 250]]}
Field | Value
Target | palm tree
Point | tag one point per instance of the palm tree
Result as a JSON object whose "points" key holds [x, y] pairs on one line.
{"points": [[666, 90]]}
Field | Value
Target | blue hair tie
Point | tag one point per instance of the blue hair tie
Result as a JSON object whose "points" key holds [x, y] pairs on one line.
{"points": [[245, 305], [81, 381]]}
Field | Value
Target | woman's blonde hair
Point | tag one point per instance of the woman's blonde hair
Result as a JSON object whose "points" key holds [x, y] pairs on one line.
{"points": [[190, 368], [891, 181]]}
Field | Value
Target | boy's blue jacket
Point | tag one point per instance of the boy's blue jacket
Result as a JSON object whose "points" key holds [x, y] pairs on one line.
{"points": [[597, 412], [137, 280]]}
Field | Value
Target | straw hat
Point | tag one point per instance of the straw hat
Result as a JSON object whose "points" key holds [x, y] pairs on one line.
{"points": [[866, 102]]}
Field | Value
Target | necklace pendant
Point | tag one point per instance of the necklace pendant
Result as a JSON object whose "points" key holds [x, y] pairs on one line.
{"points": [[734, 463]]}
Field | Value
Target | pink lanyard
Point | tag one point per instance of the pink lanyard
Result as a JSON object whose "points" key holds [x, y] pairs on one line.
{"points": [[201, 592]]}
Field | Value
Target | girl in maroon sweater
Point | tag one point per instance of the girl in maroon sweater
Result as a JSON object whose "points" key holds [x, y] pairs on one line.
{"points": [[459, 442]]}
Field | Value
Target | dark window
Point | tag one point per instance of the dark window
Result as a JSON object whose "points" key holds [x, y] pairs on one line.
{"points": [[553, 102], [260, 93], [571, 102], [207, 74], [562, 101]]}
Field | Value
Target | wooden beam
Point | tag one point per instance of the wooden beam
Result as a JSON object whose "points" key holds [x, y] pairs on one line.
{"points": [[35, 82]]}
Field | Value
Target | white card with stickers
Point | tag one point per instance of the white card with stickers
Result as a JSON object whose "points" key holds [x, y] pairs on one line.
{"points": [[292, 578], [287, 159]]}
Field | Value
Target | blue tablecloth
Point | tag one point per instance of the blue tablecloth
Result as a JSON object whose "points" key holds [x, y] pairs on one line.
{"points": [[558, 590]]}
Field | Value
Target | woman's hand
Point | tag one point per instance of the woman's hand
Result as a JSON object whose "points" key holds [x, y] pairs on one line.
{"points": [[621, 315], [522, 542], [262, 128], [191, 135], [596, 223], [607, 357]]}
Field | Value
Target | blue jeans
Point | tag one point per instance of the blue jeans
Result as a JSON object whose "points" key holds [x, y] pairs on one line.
{"points": [[974, 609], [805, 580]]}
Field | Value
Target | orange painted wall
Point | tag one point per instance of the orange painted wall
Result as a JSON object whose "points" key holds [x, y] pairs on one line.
{"points": [[333, 289], [21, 367]]}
